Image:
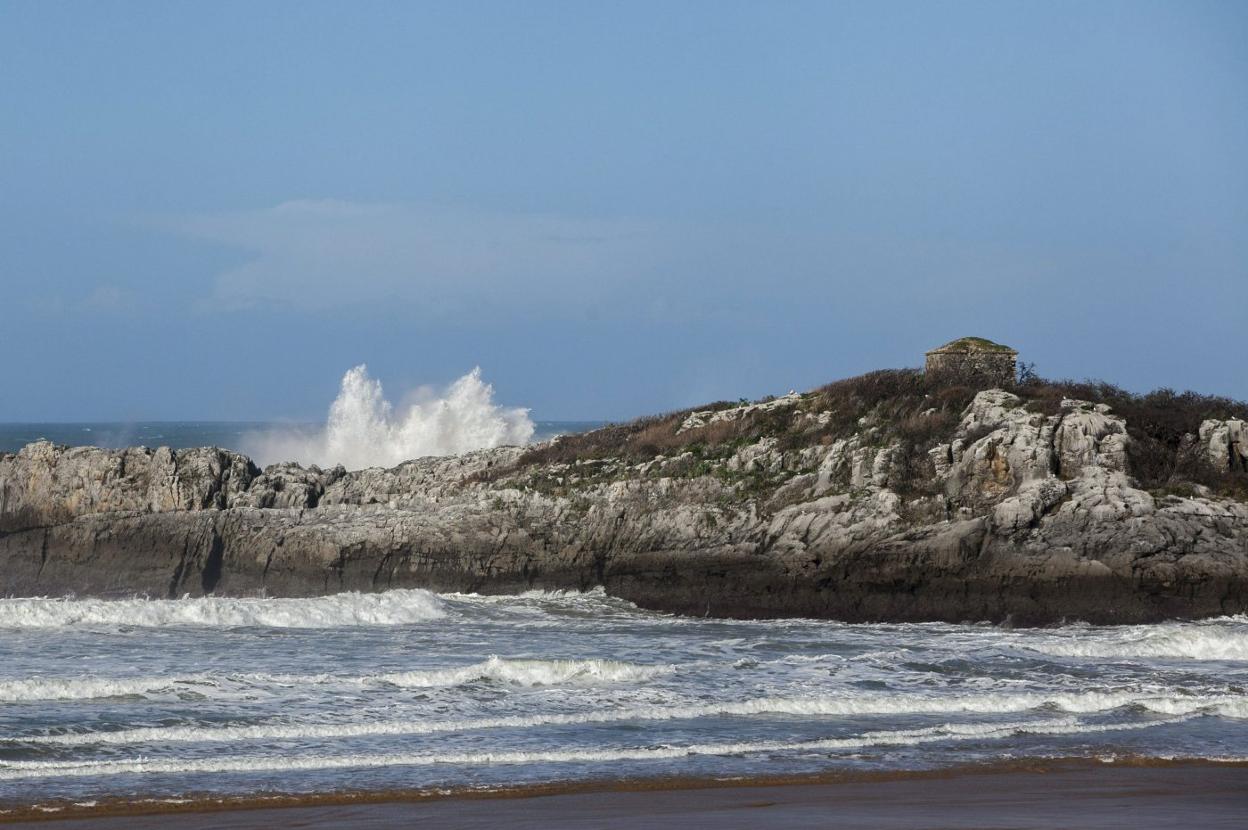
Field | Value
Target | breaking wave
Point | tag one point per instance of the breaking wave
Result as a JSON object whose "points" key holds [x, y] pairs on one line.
{"points": [[11, 770], [525, 673], [397, 607], [97, 688], [398, 689], [366, 430], [1233, 706], [1225, 639], [529, 673]]}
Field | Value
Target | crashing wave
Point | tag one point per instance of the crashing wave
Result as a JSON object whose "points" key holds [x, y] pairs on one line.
{"points": [[1225, 639], [397, 607], [366, 430], [528, 673], [98, 688], [525, 673]]}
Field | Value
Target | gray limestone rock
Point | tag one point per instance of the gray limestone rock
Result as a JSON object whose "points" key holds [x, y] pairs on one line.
{"points": [[1225, 444], [1029, 517]]}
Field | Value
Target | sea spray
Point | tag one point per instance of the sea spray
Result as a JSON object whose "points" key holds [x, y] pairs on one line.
{"points": [[364, 429]]}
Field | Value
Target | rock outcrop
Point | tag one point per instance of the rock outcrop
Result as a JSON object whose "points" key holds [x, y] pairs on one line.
{"points": [[1025, 517], [1225, 444]]}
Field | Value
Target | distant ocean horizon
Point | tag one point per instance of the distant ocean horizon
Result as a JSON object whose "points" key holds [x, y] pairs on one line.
{"points": [[230, 435]]}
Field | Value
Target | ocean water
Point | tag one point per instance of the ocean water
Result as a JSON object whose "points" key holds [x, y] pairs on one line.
{"points": [[240, 436], [414, 690]]}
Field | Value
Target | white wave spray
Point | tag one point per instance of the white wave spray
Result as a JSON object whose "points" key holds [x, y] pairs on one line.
{"points": [[397, 607], [365, 430]]}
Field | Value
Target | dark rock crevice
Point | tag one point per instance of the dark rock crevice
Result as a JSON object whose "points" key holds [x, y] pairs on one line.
{"points": [[213, 564]]}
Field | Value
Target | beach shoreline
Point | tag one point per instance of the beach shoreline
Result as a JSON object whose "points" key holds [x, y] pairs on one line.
{"points": [[1139, 792]]}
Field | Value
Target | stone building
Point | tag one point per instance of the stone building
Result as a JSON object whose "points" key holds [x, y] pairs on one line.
{"points": [[974, 357]]}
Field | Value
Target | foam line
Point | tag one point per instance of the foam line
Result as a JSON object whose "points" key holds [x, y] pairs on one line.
{"points": [[397, 607], [523, 672], [15, 770], [1089, 703]]}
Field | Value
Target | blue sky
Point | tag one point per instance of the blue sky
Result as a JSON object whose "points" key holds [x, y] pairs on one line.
{"points": [[211, 211]]}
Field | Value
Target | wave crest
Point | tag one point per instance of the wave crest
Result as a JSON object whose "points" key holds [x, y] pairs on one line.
{"points": [[529, 673], [397, 607], [1201, 641]]}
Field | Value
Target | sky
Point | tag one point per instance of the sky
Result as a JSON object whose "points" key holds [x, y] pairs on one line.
{"points": [[213, 210]]}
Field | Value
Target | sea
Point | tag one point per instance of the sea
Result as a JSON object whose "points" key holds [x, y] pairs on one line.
{"points": [[202, 698], [412, 690]]}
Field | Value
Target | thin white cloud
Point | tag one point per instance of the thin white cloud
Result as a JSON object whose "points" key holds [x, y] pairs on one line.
{"points": [[104, 298], [319, 254]]}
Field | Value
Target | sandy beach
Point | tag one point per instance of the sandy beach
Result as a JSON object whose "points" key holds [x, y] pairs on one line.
{"points": [[1025, 797]]}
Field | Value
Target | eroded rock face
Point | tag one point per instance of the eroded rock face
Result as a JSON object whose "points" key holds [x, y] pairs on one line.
{"points": [[1225, 444], [1031, 517], [46, 484]]}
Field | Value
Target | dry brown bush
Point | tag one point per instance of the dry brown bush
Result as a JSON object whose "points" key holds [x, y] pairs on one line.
{"points": [[915, 412]]}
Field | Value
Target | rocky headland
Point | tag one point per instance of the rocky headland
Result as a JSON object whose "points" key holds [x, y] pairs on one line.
{"points": [[890, 497]]}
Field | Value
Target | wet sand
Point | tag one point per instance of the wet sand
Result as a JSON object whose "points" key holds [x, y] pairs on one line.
{"points": [[1139, 797]]}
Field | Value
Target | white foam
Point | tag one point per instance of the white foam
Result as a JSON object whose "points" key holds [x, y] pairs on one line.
{"points": [[13, 770], [1220, 640], [572, 596], [529, 673], [365, 430], [1089, 703], [1237, 709], [87, 688], [397, 607]]}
